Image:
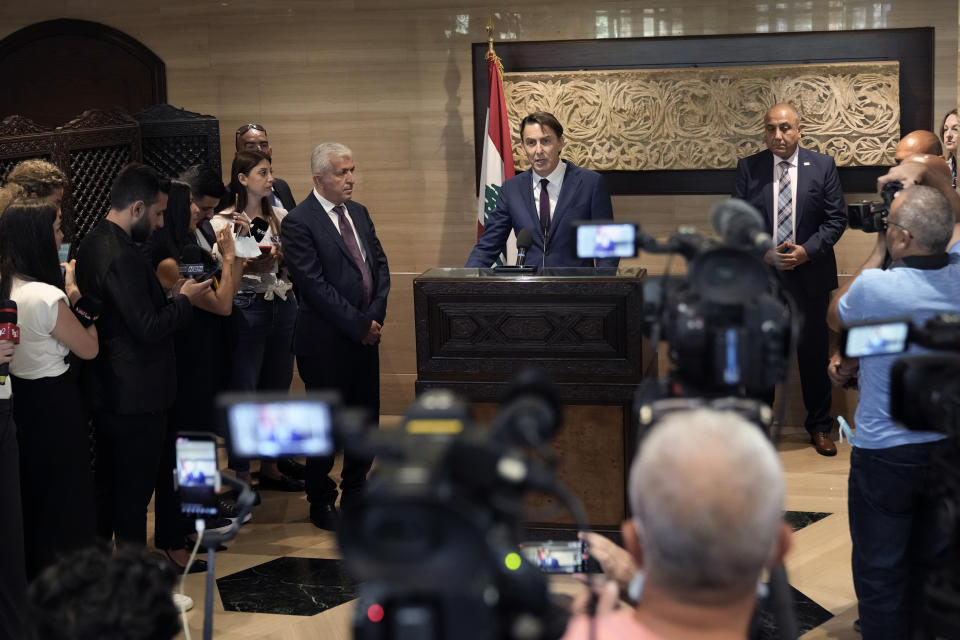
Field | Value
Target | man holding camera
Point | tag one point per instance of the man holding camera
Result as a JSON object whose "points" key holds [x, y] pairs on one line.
{"points": [[799, 195], [892, 514]]}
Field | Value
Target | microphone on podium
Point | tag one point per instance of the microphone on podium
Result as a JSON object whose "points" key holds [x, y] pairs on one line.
{"points": [[524, 240], [8, 331]]}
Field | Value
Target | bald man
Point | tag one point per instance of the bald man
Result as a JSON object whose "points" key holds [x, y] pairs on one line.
{"points": [[915, 142], [798, 193], [706, 495]]}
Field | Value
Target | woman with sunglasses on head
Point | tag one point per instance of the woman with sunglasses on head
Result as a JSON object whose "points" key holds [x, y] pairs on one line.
{"points": [[55, 320], [253, 137], [265, 308], [949, 133], [203, 348]]}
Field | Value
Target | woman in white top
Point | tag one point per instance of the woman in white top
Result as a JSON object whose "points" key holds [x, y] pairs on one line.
{"points": [[264, 309], [54, 320]]}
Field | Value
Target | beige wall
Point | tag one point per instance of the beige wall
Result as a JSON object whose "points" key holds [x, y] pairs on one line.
{"points": [[392, 79]]}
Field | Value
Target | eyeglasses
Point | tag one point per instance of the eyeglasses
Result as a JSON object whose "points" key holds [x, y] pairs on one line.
{"points": [[900, 225], [242, 130]]}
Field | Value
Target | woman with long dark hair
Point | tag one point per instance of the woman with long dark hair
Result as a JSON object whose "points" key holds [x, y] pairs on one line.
{"points": [[950, 133], [265, 308], [203, 348], [56, 482]]}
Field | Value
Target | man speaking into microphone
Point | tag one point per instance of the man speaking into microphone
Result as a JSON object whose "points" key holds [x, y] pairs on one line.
{"points": [[547, 199]]}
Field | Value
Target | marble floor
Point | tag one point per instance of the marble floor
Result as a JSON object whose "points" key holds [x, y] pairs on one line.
{"points": [[281, 577]]}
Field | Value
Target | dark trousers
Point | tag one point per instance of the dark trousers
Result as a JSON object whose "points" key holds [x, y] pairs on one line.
{"points": [[13, 575], [56, 486], [128, 455], [354, 371], [896, 537], [813, 353]]}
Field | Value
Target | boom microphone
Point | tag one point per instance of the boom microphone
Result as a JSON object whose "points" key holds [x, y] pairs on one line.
{"points": [[741, 224], [8, 331], [524, 240]]}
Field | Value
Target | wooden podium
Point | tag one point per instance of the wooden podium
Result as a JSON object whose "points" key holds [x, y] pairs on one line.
{"points": [[475, 330]]}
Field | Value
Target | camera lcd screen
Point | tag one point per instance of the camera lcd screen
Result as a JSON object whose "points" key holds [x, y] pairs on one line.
{"points": [[280, 428], [556, 557], [876, 339], [606, 240], [197, 475]]}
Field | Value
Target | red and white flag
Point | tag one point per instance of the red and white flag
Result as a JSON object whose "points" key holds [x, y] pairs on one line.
{"points": [[497, 163]]}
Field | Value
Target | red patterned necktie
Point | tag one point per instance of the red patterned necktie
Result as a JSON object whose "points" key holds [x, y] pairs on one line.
{"points": [[350, 239]]}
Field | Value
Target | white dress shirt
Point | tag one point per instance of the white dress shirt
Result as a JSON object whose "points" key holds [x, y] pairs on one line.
{"points": [[553, 189]]}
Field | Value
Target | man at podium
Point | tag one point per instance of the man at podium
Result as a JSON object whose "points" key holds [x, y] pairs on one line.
{"points": [[546, 199]]}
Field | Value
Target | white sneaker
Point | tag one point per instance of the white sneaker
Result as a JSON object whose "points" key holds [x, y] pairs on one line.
{"points": [[182, 602]]}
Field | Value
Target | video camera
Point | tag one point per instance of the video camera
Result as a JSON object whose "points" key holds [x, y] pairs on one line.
{"points": [[728, 322], [871, 216], [435, 543]]}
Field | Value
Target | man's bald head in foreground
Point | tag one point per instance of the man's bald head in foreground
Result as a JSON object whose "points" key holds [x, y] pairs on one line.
{"points": [[707, 495], [919, 141]]}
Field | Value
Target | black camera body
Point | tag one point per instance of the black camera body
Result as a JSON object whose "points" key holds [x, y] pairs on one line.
{"points": [[871, 216]]}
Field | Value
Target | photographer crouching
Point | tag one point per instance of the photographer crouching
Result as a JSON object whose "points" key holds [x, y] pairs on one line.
{"points": [[892, 513]]}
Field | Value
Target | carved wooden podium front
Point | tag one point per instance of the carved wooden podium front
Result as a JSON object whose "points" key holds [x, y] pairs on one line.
{"points": [[476, 330]]}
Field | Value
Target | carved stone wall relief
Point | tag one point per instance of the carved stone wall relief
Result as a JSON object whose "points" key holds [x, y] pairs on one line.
{"points": [[708, 117]]}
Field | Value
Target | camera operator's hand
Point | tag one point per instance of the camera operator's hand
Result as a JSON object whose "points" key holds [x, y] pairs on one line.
{"points": [[843, 371], [616, 562], [791, 255], [605, 597], [373, 335]]}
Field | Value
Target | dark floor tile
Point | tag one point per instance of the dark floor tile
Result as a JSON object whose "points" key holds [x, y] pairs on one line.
{"points": [[800, 519], [808, 614], [291, 586]]}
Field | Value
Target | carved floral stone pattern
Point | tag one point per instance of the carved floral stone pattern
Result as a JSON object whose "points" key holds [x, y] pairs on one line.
{"points": [[708, 117]]}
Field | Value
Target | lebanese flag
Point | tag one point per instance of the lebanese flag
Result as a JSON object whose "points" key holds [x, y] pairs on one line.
{"points": [[496, 147]]}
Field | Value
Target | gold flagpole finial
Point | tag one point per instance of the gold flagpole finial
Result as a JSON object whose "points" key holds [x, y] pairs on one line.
{"points": [[490, 33]]}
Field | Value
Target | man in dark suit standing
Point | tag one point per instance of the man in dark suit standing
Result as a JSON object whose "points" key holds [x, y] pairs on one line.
{"points": [[335, 259], [799, 195], [547, 199], [253, 137]]}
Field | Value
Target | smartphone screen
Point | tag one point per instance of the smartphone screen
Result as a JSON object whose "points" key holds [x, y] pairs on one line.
{"points": [[279, 426], [197, 474], [876, 339], [556, 557], [614, 240]]}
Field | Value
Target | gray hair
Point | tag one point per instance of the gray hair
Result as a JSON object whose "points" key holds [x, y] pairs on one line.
{"points": [[926, 213], [706, 491], [320, 163]]}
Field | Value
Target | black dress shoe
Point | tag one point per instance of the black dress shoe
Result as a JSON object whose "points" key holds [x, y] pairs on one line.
{"points": [[292, 468], [283, 483], [325, 516], [198, 566]]}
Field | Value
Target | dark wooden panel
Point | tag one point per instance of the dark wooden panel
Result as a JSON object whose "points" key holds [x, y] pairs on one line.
{"points": [[56, 69], [913, 48]]}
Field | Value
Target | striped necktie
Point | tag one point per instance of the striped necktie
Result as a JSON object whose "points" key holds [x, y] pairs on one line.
{"points": [[784, 205]]}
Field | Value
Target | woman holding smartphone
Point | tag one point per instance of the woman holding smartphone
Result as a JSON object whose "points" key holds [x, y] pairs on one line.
{"points": [[55, 320], [265, 308]]}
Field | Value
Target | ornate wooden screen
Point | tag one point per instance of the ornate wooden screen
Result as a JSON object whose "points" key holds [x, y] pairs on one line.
{"points": [[174, 139]]}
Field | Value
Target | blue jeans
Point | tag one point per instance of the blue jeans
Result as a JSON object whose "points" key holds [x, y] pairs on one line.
{"points": [[895, 533], [263, 360]]}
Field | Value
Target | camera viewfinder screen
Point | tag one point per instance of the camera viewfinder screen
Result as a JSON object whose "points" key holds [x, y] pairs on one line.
{"points": [[281, 428], [197, 476], [877, 339], [606, 240], [555, 557]]}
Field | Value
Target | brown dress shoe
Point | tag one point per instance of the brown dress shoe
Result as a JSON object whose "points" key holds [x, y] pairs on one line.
{"points": [[823, 444]]}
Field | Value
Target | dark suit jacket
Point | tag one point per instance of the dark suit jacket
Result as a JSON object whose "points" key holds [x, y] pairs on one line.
{"points": [[136, 366], [583, 196], [280, 189], [329, 283], [820, 214]]}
